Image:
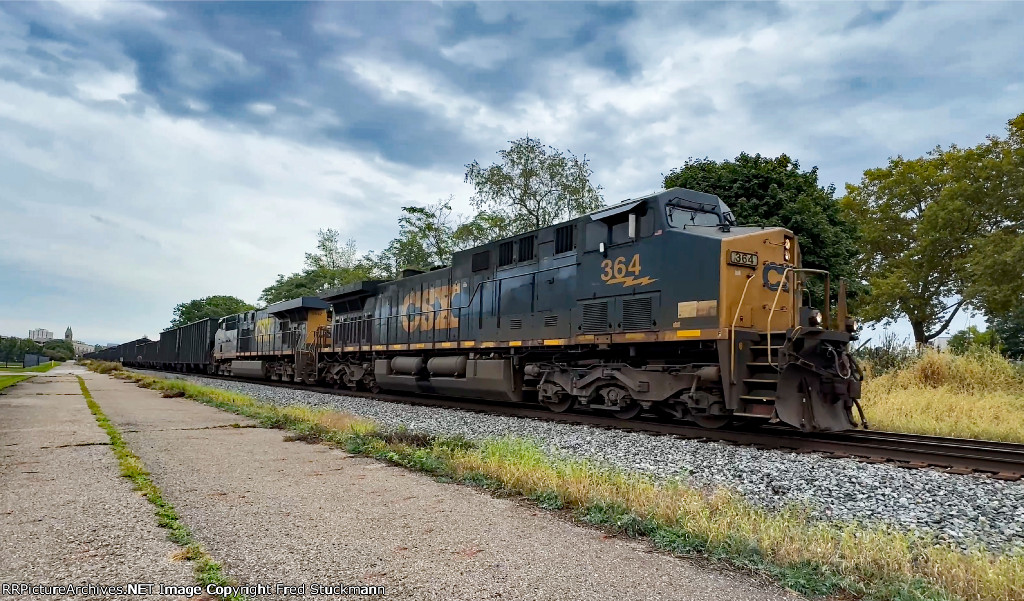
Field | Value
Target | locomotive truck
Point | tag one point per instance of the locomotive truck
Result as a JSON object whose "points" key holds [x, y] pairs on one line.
{"points": [[659, 304]]}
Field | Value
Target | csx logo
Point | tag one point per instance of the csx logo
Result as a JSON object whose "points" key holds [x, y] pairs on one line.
{"points": [[779, 272], [265, 326], [430, 309]]}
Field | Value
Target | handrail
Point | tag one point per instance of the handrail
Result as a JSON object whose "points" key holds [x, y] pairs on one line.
{"points": [[732, 331], [778, 291]]}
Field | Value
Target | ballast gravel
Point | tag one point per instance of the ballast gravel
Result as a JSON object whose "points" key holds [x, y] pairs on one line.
{"points": [[965, 510]]}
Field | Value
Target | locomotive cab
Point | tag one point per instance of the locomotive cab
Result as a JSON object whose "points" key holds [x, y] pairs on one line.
{"points": [[719, 300]]}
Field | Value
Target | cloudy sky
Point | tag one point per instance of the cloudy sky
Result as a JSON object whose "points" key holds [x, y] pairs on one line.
{"points": [[155, 153]]}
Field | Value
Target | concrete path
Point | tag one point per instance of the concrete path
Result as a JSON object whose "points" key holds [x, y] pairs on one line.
{"points": [[66, 514], [285, 512]]}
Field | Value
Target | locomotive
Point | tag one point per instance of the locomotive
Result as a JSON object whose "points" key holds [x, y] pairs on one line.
{"points": [[660, 304]]}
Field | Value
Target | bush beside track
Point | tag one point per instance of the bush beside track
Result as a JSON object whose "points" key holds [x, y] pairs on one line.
{"points": [[976, 395], [810, 557]]}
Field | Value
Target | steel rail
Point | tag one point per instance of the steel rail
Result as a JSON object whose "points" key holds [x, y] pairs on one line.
{"points": [[1001, 460]]}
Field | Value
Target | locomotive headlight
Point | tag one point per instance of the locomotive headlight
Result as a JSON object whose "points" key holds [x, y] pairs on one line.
{"points": [[816, 319], [787, 244], [787, 256]]}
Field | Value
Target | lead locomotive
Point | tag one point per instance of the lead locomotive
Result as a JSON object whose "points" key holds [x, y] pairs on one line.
{"points": [[660, 303]]}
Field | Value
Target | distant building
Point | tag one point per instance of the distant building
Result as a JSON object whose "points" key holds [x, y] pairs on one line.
{"points": [[68, 335], [40, 335], [941, 343], [82, 348]]}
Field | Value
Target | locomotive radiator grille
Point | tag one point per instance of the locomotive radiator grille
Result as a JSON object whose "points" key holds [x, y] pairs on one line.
{"points": [[636, 314], [595, 317]]}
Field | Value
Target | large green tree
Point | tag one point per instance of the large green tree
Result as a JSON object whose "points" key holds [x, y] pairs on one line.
{"points": [[334, 263], [532, 186], [208, 307], [775, 191], [942, 232]]}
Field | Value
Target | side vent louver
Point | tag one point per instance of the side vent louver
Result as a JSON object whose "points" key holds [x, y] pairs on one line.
{"points": [[515, 324], [636, 314], [595, 317], [550, 320]]}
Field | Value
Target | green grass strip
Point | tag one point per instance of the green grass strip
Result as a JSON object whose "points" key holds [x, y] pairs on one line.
{"points": [[6, 381], [820, 560], [206, 569], [38, 368]]}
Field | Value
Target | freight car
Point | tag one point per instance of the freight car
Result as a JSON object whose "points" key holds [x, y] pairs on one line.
{"points": [[658, 304]]}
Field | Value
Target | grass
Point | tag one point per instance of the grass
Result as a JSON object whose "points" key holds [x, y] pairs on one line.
{"points": [[207, 571], [978, 395], [811, 557], [38, 368], [6, 381]]}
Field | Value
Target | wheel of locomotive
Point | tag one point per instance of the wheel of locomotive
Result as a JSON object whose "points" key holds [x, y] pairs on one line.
{"points": [[619, 398], [628, 412], [709, 421], [555, 398], [346, 378]]}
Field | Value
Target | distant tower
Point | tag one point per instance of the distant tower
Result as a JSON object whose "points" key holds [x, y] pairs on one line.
{"points": [[68, 336]]}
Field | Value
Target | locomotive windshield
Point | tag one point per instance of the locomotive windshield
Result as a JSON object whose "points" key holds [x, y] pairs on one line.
{"points": [[683, 217]]}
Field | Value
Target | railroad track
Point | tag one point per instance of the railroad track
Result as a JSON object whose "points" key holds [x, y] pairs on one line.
{"points": [[1000, 460]]}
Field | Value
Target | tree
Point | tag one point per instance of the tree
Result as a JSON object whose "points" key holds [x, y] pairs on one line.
{"points": [[776, 192], [991, 187], [942, 232], [208, 307], [331, 253], [14, 349], [333, 264], [8, 349], [972, 338], [58, 350], [428, 236], [533, 186], [1009, 327]]}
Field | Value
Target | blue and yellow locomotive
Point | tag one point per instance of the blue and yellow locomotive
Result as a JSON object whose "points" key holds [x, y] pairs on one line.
{"points": [[660, 303]]}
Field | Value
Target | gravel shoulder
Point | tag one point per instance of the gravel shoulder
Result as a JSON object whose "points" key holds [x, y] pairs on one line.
{"points": [[965, 510], [66, 514], [274, 511]]}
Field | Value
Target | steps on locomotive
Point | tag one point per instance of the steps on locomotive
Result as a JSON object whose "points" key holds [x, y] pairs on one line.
{"points": [[762, 380]]}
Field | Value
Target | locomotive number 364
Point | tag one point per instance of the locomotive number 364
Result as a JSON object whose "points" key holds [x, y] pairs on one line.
{"points": [[618, 269]]}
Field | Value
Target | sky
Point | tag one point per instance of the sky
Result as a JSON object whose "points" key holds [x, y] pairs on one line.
{"points": [[155, 153]]}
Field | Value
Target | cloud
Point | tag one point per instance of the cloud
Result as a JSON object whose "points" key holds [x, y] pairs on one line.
{"points": [[107, 86], [482, 53], [262, 108], [156, 153], [160, 210]]}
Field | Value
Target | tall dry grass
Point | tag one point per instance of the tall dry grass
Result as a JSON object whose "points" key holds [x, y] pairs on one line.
{"points": [[977, 395]]}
